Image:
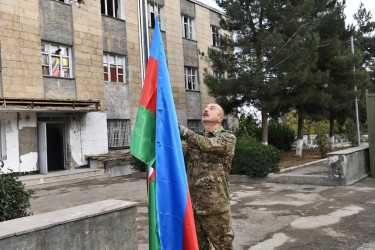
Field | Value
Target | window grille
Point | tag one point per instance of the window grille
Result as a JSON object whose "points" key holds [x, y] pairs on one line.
{"points": [[118, 133]]}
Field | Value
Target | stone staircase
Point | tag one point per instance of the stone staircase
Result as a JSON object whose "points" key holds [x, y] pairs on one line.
{"points": [[63, 177]]}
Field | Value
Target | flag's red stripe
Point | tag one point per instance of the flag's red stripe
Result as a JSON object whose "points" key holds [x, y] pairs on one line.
{"points": [[190, 240], [151, 176], [148, 98]]}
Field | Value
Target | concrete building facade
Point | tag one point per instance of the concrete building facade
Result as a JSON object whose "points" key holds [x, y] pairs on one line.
{"points": [[71, 75]]}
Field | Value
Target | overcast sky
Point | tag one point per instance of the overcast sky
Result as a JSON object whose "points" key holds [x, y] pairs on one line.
{"points": [[351, 7]]}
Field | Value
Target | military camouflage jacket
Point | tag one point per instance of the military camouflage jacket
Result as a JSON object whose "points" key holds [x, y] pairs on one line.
{"points": [[208, 158]]}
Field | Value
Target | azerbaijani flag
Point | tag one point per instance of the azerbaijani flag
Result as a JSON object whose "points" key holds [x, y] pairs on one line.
{"points": [[156, 142]]}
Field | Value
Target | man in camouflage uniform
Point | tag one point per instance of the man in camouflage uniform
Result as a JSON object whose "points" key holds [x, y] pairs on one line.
{"points": [[208, 157]]}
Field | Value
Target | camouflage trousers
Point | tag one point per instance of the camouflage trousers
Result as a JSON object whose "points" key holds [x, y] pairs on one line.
{"points": [[215, 229]]}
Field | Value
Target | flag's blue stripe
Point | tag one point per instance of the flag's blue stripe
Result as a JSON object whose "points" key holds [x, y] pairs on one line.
{"points": [[171, 183]]}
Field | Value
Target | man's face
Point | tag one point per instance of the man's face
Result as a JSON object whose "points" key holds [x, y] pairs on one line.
{"points": [[212, 114]]}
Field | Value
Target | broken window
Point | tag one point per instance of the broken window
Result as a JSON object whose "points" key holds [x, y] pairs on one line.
{"points": [[152, 10], [188, 30], [113, 8], [216, 36], [191, 78], [195, 125], [114, 68], [118, 133], [56, 60]]}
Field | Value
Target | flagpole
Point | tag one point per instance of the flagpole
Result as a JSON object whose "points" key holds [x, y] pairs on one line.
{"points": [[144, 47], [143, 53]]}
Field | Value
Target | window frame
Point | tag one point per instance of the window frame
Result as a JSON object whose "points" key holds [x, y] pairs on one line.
{"points": [[122, 135], [161, 14], [190, 23], [61, 57], [191, 72], [120, 12], [215, 36], [116, 56], [219, 75]]}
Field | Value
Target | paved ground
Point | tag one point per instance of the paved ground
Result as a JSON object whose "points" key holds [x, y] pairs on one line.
{"points": [[265, 215]]}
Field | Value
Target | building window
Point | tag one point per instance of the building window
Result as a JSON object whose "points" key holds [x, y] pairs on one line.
{"points": [[56, 60], [118, 133], [195, 125], [152, 10], [114, 68], [218, 75], [112, 8], [216, 36], [2, 141], [191, 78], [63, 1], [188, 30]]}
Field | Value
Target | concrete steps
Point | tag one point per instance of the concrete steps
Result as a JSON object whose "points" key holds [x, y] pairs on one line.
{"points": [[64, 177], [313, 173]]}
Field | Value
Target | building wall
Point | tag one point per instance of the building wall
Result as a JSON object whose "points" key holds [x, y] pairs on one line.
{"points": [[94, 134], [57, 27], [24, 24], [20, 49], [204, 42], [88, 51], [175, 57]]}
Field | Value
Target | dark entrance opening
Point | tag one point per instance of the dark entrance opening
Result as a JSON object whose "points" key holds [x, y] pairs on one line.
{"points": [[55, 146]]}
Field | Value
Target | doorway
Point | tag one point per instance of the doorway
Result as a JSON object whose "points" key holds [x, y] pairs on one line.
{"points": [[55, 146], [51, 144]]}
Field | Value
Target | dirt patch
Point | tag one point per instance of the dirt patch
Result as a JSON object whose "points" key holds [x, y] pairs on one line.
{"points": [[308, 155]]}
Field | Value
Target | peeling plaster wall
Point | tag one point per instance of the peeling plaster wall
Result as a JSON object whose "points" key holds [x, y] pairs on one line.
{"points": [[20, 141], [28, 142], [74, 154], [94, 134], [11, 141]]}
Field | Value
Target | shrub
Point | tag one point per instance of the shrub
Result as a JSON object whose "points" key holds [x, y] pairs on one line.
{"points": [[323, 145], [351, 132], [14, 198], [280, 136], [255, 159], [247, 126]]}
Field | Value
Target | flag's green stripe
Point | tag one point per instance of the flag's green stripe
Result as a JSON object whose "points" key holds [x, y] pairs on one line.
{"points": [[154, 242], [142, 144]]}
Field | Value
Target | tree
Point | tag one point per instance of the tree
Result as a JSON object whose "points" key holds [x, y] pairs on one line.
{"points": [[336, 59], [364, 42], [268, 35]]}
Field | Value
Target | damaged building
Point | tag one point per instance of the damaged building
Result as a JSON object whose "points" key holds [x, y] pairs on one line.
{"points": [[71, 75]]}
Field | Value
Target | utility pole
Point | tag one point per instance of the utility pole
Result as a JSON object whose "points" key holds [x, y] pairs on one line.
{"points": [[356, 102]]}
